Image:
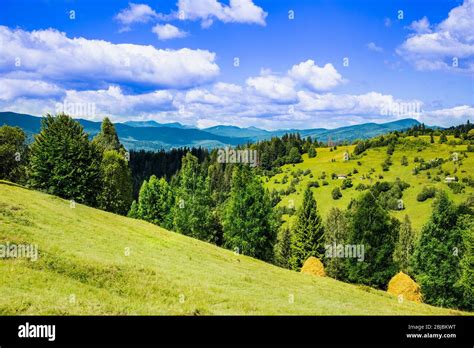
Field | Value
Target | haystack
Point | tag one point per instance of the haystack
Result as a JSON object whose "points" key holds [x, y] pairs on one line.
{"points": [[313, 266], [402, 284]]}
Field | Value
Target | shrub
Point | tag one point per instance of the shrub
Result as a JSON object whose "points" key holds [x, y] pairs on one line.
{"points": [[336, 193], [426, 192]]}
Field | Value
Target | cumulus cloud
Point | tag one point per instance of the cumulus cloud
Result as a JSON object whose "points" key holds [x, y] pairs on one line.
{"points": [[168, 31], [278, 89], [448, 116], [447, 46], [315, 77], [14, 88], [373, 47], [207, 11], [51, 56], [421, 26], [135, 13]]}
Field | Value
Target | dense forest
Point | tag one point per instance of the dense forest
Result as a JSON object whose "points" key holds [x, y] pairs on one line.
{"points": [[190, 192]]}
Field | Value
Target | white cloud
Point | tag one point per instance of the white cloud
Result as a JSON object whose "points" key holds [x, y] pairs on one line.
{"points": [[14, 88], [51, 56], [421, 26], [373, 47], [168, 31], [238, 11], [315, 77], [278, 89], [448, 46], [135, 13], [449, 116]]}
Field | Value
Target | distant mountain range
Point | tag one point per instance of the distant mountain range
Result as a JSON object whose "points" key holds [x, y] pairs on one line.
{"points": [[151, 135]]}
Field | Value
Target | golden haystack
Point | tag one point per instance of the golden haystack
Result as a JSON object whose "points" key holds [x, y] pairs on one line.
{"points": [[313, 266], [402, 284]]}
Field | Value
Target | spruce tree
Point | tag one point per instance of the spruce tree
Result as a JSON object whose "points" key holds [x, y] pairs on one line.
{"points": [[312, 152], [107, 139], [373, 228], [437, 256], [283, 248], [249, 223], [308, 232], [64, 162]]}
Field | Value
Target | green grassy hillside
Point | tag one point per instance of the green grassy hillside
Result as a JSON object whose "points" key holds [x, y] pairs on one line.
{"points": [[93, 262], [418, 212]]}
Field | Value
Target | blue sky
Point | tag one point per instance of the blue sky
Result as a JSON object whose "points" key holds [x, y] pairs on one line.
{"points": [[333, 63]]}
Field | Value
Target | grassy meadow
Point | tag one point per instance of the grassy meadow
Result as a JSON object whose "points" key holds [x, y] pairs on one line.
{"points": [[96, 263]]}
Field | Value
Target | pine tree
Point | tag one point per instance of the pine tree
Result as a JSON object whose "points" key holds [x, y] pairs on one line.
{"points": [[437, 255], [107, 139], [308, 232], [404, 247], [283, 248], [372, 227], [249, 224], [336, 232], [64, 162], [116, 192], [312, 152]]}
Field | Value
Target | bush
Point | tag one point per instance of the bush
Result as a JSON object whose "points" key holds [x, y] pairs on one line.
{"points": [[426, 192], [313, 184], [346, 183], [336, 193], [456, 187]]}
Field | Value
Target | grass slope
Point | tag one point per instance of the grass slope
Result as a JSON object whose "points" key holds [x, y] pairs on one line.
{"points": [[83, 268], [418, 212]]}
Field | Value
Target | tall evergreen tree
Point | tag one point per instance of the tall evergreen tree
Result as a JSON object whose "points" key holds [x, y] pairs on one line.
{"points": [[404, 246], [372, 227], [116, 191], [336, 233], [64, 162], [283, 248], [308, 232], [438, 253], [249, 223], [107, 139]]}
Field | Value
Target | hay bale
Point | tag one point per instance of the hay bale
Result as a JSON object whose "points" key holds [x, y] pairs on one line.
{"points": [[313, 266], [402, 284]]}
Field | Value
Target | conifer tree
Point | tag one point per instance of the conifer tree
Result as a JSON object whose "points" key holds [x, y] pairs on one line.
{"points": [[64, 162], [283, 248], [308, 232], [107, 139], [249, 223]]}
